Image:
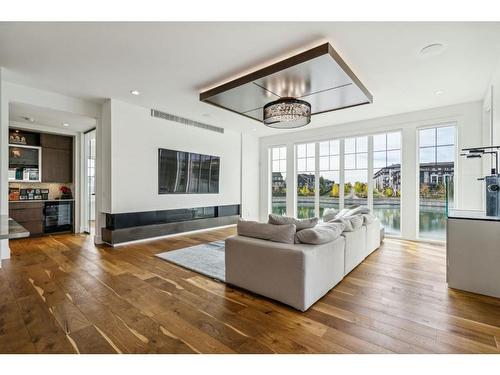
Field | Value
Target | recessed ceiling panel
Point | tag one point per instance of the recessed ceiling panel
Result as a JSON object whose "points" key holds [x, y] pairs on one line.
{"points": [[310, 77], [318, 76], [244, 98], [256, 114], [340, 97]]}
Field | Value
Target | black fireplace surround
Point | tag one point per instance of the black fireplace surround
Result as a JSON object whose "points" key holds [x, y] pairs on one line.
{"points": [[132, 226]]}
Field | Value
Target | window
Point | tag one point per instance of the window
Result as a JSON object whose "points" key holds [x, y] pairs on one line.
{"points": [[329, 175], [356, 171], [387, 180], [306, 180], [437, 161], [278, 180]]}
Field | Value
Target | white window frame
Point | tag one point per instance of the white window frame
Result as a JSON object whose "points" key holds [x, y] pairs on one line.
{"points": [[446, 124], [270, 174]]}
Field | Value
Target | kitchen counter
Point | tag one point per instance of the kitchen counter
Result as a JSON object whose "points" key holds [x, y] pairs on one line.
{"points": [[472, 252], [43, 200], [471, 215], [10, 229]]}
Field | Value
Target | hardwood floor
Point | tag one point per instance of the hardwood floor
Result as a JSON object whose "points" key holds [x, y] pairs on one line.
{"points": [[62, 294]]}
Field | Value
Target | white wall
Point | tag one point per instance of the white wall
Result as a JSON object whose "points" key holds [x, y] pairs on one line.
{"points": [[250, 177], [491, 116], [135, 139], [469, 191]]}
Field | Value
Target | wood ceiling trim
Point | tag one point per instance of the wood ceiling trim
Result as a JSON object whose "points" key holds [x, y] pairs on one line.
{"points": [[268, 70]]}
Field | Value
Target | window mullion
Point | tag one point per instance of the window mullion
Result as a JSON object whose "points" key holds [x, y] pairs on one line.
{"points": [[316, 179], [370, 172], [341, 173]]}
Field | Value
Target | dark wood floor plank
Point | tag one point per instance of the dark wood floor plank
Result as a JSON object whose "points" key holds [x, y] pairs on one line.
{"points": [[63, 294], [90, 340], [46, 334]]}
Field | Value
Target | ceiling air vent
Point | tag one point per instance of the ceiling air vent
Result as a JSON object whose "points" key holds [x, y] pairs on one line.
{"points": [[185, 121]]}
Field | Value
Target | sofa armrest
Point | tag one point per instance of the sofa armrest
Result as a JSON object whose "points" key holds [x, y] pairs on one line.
{"points": [[295, 274], [266, 267]]}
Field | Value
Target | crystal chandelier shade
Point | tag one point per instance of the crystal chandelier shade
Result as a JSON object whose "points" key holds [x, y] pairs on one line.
{"points": [[287, 113]]}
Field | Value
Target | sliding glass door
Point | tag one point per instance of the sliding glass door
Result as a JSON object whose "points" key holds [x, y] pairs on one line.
{"points": [[387, 180], [89, 178], [436, 170]]}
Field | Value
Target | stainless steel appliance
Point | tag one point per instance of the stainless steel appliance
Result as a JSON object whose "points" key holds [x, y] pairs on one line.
{"points": [[492, 182], [58, 216], [492, 195]]}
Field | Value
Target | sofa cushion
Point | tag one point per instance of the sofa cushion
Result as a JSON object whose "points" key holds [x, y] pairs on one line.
{"points": [[356, 221], [329, 214], [368, 218], [347, 223], [278, 233], [342, 213], [299, 224], [320, 234], [350, 223]]}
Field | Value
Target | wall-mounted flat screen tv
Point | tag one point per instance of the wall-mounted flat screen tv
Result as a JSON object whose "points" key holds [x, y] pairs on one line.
{"points": [[182, 172]]}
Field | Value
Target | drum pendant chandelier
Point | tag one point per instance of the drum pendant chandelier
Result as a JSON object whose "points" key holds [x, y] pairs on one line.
{"points": [[287, 113]]}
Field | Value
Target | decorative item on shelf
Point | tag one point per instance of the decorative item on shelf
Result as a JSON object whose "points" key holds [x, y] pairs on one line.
{"points": [[287, 113], [65, 192], [13, 194], [18, 139]]}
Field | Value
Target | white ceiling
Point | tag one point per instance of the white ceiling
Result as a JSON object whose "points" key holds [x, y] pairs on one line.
{"points": [[46, 117], [170, 63]]}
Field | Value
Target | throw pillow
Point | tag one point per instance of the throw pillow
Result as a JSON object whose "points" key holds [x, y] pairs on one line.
{"points": [[356, 221], [346, 222], [277, 233], [320, 234], [329, 214], [368, 218], [341, 213], [300, 224], [357, 210]]}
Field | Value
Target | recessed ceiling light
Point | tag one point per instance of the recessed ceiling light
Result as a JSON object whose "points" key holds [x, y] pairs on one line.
{"points": [[65, 124], [432, 49], [439, 92], [135, 92]]}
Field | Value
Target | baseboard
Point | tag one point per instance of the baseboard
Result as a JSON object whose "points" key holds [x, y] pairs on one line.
{"points": [[167, 236], [4, 249]]}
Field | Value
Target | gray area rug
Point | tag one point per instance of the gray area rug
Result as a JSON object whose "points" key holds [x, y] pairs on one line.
{"points": [[207, 259]]}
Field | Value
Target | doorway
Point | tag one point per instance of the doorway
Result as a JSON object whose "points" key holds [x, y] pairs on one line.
{"points": [[89, 193]]}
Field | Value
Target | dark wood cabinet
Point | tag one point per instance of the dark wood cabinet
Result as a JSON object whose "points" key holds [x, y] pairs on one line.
{"points": [[29, 215], [57, 165], [57, 158], [60, 142]]}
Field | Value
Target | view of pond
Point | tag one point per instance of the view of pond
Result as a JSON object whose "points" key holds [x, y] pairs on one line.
{"points": [[432, 218]]}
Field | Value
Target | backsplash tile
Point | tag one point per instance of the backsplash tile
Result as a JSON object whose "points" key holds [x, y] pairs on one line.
{"points": [[53, 187]]}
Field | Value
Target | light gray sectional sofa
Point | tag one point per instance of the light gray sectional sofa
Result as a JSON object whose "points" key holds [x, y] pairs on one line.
{"points": [[296, 274]]}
